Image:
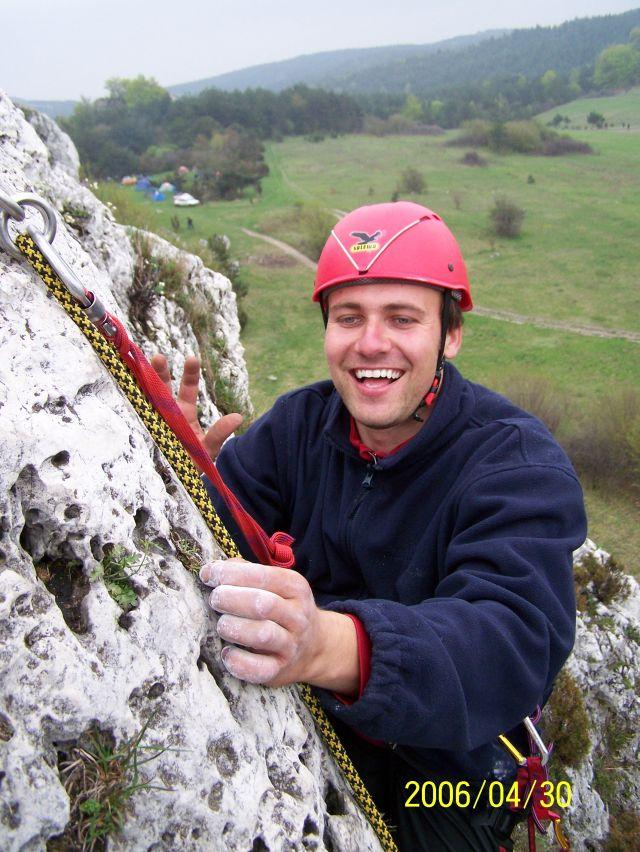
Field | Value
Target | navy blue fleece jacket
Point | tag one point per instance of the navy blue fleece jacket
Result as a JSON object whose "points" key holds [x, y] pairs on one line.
{"points": [[455, 553]]}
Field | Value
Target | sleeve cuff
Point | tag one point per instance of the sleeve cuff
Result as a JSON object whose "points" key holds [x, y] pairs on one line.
{"points": [[364, 657]]}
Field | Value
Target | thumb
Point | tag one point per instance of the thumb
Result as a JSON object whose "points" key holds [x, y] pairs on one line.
{"points": [[217, 434]]}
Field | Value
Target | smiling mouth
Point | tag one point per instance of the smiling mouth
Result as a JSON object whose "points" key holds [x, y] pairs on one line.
{"points": [[373, 377]]}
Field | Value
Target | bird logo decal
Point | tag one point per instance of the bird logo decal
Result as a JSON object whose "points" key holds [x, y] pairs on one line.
{"points": [[367, 241]]}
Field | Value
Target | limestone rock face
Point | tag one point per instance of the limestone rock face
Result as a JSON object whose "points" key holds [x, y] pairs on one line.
{"points": [[604, 664], [104, 631]]}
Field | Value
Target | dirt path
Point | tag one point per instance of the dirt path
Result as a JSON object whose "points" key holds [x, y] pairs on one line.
{"points": [[559, 325], [287, 249], [503, 316]]}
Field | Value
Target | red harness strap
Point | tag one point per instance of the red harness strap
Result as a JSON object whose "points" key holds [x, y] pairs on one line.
{"points": [[275, 550]]}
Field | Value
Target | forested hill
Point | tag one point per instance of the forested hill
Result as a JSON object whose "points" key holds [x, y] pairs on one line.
{"points": [[530, 52], [316, 69], [424, 69]]}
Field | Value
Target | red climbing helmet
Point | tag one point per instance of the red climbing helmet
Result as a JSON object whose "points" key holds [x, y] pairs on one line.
{"points": [[396, 240]]}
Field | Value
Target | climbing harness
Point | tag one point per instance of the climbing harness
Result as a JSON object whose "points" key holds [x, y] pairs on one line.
{"points": [[126, 363], [181, 447]]}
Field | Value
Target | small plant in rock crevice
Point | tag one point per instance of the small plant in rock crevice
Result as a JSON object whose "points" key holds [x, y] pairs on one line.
{"points": [[116, 570], [153, 276], [188, 551], [76, 217], [566, 722], [100, 778], [599, 582]]}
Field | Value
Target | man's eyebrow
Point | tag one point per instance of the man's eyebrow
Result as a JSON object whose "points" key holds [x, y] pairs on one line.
{"points": [[393, 306]]}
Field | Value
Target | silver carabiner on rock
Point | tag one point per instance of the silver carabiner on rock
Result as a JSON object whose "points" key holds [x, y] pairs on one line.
{"points": [[13, 209], [9, 206]]}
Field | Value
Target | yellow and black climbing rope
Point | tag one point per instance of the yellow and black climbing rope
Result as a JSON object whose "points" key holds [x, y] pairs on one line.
{"points": [[185, 469]]}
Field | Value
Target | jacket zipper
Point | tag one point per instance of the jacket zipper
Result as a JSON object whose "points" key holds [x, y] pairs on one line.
{"points": [[367, 485]]}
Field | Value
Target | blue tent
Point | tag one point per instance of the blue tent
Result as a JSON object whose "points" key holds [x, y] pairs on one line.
{"points": [[143, 184], [158, 196]]}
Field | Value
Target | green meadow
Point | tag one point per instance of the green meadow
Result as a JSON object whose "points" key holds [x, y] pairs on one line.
{"points": [[623, 108], [574, 264]]}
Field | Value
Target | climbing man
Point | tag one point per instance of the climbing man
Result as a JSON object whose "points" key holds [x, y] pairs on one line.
{"points": [[434, 522]]}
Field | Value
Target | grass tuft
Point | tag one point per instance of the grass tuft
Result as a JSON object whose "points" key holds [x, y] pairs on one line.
{"points": [[100, 778]]}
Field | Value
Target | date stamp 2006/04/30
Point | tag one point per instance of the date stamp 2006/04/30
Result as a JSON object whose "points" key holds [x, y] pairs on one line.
{"points": [[445, 794]]}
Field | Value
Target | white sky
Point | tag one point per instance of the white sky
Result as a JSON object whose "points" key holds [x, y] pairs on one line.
{"points": [[65, 49]]}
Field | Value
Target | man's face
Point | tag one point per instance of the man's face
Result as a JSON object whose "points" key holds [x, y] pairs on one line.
{"points": [[393, 329]]}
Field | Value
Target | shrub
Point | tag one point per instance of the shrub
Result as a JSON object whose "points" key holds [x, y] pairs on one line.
{"points": [[596, 119], [624, 829], [605, 444], [522, 137], [317, 223], [412, 182], [559, 145], [566, 721], [220, 246], [538, 396], [599, 582], [472, 158], [506, 218], [475, 132], [153, 276]]}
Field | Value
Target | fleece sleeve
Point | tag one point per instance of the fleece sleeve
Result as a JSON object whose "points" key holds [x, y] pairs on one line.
{"points": [[453, 671]]}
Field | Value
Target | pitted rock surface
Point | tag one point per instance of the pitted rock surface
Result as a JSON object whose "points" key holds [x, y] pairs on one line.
{"points": [[242, 766]]}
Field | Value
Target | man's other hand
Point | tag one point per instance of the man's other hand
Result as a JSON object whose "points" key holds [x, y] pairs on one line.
{"points": [[187, 400], [285, 637]]}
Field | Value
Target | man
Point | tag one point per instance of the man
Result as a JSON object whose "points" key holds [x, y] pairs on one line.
{"points": [[434, 524]]}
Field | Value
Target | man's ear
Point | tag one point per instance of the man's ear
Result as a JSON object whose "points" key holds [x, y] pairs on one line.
{"points": [[453, 342]]}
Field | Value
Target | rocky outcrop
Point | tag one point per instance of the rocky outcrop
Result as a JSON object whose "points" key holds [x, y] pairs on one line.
{"points": [[595, 709], [113, 703]]}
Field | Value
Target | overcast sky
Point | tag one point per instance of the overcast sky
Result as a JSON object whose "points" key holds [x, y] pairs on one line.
{"points": [[65, 49]]}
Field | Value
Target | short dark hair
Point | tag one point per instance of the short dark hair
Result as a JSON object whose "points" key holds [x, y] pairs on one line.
{"points": [[456, 318]]}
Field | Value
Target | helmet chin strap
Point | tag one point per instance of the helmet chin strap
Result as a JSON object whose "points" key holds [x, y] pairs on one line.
{"points": [[436, 384]]}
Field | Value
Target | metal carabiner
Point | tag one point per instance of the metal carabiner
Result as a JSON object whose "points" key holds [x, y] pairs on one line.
{"points": [[18, 202], [89, 302], [537, 739], [9, 206]]}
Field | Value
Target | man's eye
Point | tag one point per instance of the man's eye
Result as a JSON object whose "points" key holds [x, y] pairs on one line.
{"points": [[402, 320], [347, 320]]}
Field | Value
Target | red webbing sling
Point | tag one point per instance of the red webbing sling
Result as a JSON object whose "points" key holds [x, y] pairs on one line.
{"points": [[275, 550]]}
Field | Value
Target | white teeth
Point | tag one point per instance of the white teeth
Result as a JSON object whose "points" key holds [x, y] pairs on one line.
{"points": [[378, 374]]}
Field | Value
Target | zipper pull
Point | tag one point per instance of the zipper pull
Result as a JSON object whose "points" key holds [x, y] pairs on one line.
{"points": [[371, 469]]}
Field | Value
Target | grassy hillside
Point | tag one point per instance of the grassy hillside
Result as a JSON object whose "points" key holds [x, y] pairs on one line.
{"points": [[575, 262], [623, 108]]}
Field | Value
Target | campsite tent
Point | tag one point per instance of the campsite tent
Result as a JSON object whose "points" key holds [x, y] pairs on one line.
{"points": [[158, 196], [143, 184], [167, 187]]}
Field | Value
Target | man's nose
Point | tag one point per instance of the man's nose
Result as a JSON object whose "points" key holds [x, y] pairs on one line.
{"points": [[373, 339]]}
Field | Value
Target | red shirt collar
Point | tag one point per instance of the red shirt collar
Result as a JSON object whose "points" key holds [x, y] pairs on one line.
{"points": [[364, 451]]}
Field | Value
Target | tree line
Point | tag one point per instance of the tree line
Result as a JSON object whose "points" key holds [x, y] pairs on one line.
{"points": [[219, 135]]}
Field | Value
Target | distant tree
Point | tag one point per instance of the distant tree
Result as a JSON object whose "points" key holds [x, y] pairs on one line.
{"points": [[138, 92], [596, 119], [617, 66], [412, 109]]}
